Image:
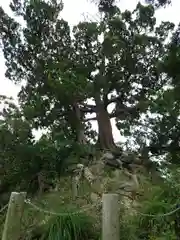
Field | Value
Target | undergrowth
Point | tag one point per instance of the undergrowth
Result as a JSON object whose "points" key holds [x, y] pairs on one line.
{"points": [[87, 225]]}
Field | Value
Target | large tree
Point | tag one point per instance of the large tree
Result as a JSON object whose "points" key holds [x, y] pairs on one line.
{"points": [[114, 60]]}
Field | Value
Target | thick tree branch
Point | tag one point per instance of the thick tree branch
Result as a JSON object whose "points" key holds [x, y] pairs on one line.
{"points": [[136, 97], [88, 108], [124, 111], [89, 119], [121, 113], [111, 87], [113, 99]]}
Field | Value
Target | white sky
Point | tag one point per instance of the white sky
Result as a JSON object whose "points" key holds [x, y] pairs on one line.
{"points": [[73, 13]]}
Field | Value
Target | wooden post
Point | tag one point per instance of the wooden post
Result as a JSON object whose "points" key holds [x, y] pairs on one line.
{"points": [[13, 217], [110, 217]]}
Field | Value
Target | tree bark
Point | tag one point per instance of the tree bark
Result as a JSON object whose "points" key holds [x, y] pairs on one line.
{"points": [[105, 138], [74, 118], [80, 135]]}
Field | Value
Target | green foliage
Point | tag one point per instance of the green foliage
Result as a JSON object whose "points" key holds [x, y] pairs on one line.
{"points": [[158, 3], [22, 158], [166, 107], [163, 200], [128, 229], [70, 227]]}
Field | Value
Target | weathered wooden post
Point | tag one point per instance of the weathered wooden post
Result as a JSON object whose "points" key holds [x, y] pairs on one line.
{"points": [[12, 225], [110, 217]]}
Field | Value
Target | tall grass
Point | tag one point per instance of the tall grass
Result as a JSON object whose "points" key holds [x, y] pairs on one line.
{"points": [[71, 227]]}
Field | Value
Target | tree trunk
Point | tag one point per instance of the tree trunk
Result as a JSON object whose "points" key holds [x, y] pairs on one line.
{"points": [[74, 119], [80, 136], [105, 138]]}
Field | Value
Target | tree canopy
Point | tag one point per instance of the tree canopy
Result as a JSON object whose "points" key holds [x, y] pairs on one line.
{"points": [[115, 61]]}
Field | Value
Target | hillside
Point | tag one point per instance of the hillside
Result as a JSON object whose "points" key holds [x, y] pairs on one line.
{"points": [[67, 202]]}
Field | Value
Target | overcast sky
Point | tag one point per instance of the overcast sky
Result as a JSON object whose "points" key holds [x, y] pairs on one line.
{"points": [[73, 13]]}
